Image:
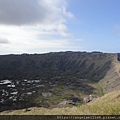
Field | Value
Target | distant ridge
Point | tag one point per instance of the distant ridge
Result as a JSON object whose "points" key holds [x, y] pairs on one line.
{"points": [[91, 65]]}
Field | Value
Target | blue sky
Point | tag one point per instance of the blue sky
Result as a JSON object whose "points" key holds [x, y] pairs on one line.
{"points": [[40, 26], [98, 24]]}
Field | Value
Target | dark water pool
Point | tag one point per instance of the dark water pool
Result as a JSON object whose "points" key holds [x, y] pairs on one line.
{"points": [[75, 100]]}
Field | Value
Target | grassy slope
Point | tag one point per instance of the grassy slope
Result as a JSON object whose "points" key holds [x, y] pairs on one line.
{"points": [[111, 82], [100, 89], [108, 104]]}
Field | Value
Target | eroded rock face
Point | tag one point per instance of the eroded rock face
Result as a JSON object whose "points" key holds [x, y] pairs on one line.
{"points": [[82, 64]]}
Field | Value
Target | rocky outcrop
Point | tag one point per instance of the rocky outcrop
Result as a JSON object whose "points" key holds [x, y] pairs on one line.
{"points": [[64, 103], [48, 94], [89, 98]]}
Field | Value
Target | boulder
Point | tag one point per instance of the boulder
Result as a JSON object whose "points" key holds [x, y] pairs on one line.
{"points": [[48, 94], [64, 103], [89, 98]]}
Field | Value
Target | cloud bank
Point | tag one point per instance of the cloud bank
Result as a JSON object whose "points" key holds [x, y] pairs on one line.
{"points": [[28, 12], [34, 26]]}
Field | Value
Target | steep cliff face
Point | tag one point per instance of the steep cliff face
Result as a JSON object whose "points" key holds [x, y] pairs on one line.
{"points": [[93, 66]]}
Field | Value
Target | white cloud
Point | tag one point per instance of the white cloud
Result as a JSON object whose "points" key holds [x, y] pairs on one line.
{"points": [[47, 14], [20, 12], [34, 26], [30, 40], [3, 41], [62, 30], [28, 12]]}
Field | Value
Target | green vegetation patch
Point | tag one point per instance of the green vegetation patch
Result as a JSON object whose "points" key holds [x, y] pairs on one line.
{"points": [[100, 89]]}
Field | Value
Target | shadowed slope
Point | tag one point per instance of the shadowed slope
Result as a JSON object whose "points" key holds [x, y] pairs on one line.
{"points": [[91, 66]]}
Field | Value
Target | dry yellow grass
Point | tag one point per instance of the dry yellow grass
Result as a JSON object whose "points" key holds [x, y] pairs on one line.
{"points": [[111, 81], [109, 104]]}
